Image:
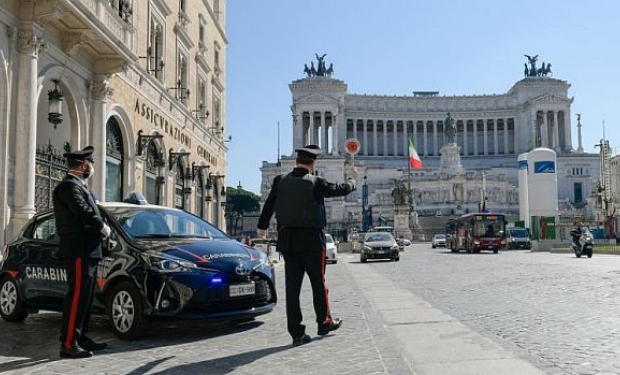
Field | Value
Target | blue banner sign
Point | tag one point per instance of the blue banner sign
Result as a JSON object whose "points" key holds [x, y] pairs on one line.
{"points": [[544, 166]]}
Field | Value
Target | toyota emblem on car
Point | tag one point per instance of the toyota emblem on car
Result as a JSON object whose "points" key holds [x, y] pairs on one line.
{"points": [[242, 270]]}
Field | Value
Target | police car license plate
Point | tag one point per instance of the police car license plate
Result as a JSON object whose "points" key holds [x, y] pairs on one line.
{"points": [[241, 290], [380, 252]]}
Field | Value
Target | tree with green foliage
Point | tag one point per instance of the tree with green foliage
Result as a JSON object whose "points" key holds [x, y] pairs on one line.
{"points": [[239, 202]]}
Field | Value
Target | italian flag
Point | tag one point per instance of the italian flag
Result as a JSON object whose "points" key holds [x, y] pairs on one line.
{"points": [[414, 159]]}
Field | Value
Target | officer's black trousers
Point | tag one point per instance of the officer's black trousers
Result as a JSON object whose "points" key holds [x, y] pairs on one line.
{"points": [[79, 298], [296, 264]]}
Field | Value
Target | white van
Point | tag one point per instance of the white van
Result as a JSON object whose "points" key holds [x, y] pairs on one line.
{"points": [[518, 238]]}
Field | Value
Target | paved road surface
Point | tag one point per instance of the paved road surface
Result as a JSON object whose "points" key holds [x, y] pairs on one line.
{"points": [[431, 313]]}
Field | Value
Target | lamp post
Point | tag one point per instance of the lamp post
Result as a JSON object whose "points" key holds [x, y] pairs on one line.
{"points": [[55, 98], [144, 140], [365, 211], [483, 202]]}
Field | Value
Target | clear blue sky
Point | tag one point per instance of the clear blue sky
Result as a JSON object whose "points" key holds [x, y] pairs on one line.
{"points": [[394, 47]]}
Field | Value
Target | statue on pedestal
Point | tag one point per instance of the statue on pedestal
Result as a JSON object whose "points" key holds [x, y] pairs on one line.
{"points": [[449, 130]]}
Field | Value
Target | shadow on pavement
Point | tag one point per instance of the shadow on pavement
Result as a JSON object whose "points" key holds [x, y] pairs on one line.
{"points": [[24, 363], [218, 366], [37, 340]]}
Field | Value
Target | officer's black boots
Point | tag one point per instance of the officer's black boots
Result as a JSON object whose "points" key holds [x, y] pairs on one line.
{"points": [[301, 340], [326, 328], [86, 343], [74, 351]]}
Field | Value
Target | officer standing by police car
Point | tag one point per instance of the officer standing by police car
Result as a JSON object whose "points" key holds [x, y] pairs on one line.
{"points": [[81, 229], [298, 202]]}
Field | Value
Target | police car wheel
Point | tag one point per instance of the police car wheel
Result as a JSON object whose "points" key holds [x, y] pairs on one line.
{"points": [[125, 309], [11, 304]]}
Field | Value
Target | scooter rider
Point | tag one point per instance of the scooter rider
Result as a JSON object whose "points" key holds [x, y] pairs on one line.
{"points": [[576, 235]]}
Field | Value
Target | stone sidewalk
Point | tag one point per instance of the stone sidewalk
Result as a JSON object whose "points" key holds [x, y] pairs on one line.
{"points": [[433, 342]]}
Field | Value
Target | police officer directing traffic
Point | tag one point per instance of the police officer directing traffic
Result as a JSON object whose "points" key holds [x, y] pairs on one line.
{"points": [[298, 202], [81, 230]]}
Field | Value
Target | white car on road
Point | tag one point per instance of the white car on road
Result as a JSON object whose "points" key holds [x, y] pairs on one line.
{"points": [[331, 249], [439, 240]]}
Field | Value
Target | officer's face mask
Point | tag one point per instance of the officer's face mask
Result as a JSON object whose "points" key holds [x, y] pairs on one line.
{"points": [[89, 172]]}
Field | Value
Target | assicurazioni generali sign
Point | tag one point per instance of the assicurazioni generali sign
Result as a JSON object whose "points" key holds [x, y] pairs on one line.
{"points": [[157, 119]]}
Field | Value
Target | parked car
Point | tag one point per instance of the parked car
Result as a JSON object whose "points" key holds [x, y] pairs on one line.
{"points": [[379, 245], [160, 261], [439, 240], [518, 238], [331, 249]]}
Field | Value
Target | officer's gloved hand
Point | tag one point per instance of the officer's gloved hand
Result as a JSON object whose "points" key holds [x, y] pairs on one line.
{"points": [[105, 231], [351, 176], [261, 233], [351, 173]]}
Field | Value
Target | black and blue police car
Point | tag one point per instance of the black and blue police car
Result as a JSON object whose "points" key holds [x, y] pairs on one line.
{"points": [[159, 263]]}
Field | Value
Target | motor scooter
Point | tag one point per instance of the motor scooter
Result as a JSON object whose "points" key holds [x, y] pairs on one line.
{"points": [[582, 243]]}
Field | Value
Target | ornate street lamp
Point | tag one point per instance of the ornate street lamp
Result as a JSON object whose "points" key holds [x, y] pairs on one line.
{"points": [[55, 97], [174, 157], [196, 168], [143, 140]]}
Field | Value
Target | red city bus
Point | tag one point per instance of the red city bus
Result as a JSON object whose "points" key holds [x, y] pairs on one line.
{"points": [[475, 232]]}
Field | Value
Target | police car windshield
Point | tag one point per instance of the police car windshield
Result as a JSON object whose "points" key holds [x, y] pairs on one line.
{"points": [[162, 222]]}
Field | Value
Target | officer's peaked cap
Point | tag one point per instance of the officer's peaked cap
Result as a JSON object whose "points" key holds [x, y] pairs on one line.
{"points": [[309, 151], [81, 155]]}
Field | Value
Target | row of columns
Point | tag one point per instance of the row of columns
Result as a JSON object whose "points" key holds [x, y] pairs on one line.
{"points": [[549, 132], [430, 145], [314, 128]]}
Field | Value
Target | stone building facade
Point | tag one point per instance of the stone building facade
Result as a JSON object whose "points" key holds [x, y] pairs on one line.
{"points": [[144, 82], [491, 131]]}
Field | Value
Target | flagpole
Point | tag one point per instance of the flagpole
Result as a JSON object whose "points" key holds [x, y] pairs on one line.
{"points": [[409, 175]]}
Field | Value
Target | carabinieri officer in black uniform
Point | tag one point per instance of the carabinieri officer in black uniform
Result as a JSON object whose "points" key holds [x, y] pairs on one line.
{"points": [[81, 230], [298, 201]]}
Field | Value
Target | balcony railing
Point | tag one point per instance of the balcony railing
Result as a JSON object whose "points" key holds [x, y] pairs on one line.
{"points": [[118, 27]]}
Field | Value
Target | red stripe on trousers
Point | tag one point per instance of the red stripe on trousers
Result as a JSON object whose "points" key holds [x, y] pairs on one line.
{"points": [[328, 319], [74, 303]]}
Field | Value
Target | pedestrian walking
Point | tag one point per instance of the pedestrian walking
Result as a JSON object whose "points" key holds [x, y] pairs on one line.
{"points": [[82, 230], [297, 199]]}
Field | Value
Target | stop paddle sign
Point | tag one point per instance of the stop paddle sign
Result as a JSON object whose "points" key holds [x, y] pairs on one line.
{"points": [[352, 146]]}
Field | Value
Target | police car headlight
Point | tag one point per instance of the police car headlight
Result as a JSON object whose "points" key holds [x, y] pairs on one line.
{"points": [[367, 248], [166, 265]]}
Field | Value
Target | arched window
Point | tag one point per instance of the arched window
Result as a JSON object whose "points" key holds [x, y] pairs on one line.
{"points": [[114, 162], [153, 161]]}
